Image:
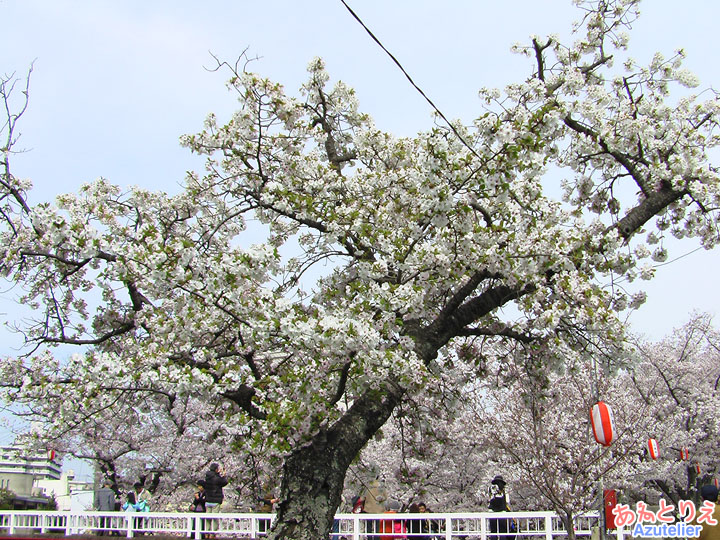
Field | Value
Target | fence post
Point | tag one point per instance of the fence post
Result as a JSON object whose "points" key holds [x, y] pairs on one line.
{"points": [[69, 524], [448, 528], [356, 527], [11, 529], [548, 526]]}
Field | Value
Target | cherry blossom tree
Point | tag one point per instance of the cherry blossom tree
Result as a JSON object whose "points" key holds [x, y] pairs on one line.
{"points": [[428, 452], [539, 424], [166, 444], [165, 441], [678, 379], [381, 255]]}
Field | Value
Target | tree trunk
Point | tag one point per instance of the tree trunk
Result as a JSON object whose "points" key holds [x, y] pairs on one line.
{"points": [[314, 475], [569, 522]]}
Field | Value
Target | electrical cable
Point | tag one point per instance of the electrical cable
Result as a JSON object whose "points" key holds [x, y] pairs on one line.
{"points": [[399, 65]]}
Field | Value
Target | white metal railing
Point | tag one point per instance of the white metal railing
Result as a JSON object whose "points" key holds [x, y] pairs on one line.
{"points": [[436, 526]]}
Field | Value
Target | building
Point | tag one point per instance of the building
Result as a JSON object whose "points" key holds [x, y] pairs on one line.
{"points": [[69, 493], [21, 472]]}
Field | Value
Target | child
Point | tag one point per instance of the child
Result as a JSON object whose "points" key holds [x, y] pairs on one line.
{"points": [[198, 504]]}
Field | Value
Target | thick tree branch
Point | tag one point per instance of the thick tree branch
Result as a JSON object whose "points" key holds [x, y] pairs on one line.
{"points": [[506, 332], [650, 207], [342, 382], [242, 397], [429, 339], [656, 198], [623, 159]]}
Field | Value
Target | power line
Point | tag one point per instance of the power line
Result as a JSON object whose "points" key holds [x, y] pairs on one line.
{"points": [[679, 257], [659, 265], [399, 65]]}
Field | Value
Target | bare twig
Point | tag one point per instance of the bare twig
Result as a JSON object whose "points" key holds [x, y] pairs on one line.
{"points": [[10, 136]]}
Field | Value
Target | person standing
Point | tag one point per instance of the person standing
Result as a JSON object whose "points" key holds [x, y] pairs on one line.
{"points": [[200, 498], [394, 528], [215, 480], [267, 502], [104, 501], [142, 498], [198, 505], [416, 526], [142, 504], [129, 504], [498, 502], [710, 532], [358, 505], [428, 525]]}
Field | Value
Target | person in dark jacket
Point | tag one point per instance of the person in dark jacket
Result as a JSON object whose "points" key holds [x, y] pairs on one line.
{"points": [[498, 502], [416, 526], [215, 480], [198, 505], [710, 532], [200, 498]]}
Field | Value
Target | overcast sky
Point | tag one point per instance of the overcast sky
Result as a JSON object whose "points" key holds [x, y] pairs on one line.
{"points": [[115, 83]]}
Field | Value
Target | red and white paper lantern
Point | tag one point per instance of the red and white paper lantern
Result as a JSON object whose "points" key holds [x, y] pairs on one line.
{"points": [[51, 454], [684, 454], [653, 448], [603, 424]]}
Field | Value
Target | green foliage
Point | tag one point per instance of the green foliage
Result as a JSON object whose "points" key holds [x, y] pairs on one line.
{"points": [[6, 499], [51, 504]]}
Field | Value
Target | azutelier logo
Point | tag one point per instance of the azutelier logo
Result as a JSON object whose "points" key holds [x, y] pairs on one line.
{"points": [[676, 530]]}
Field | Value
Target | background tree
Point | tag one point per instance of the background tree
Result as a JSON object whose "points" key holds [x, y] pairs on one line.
{"points": [[426, 242], [539, 423], [166, 442], [427, 452], [678, 379]]}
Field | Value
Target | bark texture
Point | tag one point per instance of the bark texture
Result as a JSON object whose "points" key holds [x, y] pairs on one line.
{"points": [[314, 475]]}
